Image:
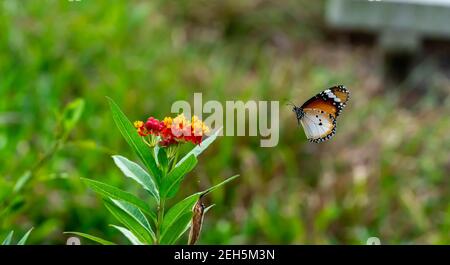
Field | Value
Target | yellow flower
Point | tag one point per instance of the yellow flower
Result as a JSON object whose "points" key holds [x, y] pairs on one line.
{"points": [[167, 122], [195, 119], [198, 126], [180, 122], [180, 119], [138, 124], [140, 128], [174, 130], [205, 128]]}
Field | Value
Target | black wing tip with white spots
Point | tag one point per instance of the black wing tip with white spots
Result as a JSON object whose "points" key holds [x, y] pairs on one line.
{"points": [[329, 95], [340, 88], [343, 89]]}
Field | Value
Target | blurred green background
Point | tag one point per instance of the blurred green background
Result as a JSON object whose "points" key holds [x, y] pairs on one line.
{"points": [[385, 173]]}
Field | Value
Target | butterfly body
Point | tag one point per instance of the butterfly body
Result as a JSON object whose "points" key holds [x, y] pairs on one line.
{"points": [[318, 115]]}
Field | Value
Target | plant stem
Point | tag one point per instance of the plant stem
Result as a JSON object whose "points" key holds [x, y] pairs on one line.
{"points": [[174, 158], [60, 140], [160, 220], [162, 201]]}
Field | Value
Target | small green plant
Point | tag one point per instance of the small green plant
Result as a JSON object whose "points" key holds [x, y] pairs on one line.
{"points": [[157, 144], [14, 193], [22, 241]]}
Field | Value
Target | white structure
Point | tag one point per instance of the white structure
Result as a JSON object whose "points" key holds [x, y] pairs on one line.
{"points": [[401, 24]]}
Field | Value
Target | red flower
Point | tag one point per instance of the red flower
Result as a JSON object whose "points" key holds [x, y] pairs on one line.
{"points": [[139, 125], [173, 131], [153, 125]]}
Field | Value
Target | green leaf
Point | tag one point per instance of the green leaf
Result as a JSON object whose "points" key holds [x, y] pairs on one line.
{"points": [[185, 206], [134, 171], [178, 229], [219, 185], [72, 114], [156, 150], [93, 238], [196, 151], [22, 181], [112, 192], [6, 190], [134, 140], [174, 213], [24, 239], [8, 238], [163, 160], [128, 234], [137, 215], [129, 222], [171, 183]]}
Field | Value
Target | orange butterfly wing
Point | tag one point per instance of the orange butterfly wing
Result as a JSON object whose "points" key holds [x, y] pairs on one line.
{"points": [[332, 100], [321, 104]]}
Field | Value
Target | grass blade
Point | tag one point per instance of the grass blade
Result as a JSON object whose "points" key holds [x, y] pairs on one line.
{"points": [[8, 238], [24, 239], [92, 238]]}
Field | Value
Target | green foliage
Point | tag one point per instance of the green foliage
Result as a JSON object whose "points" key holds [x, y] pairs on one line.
{"points": [[177, 219], [129, 133], [8, 238], [384, 174], [129, 210], [171, 183], [112, 192], [129, 219], [197, 150], [176, 213], [22, 241], [177, 229], [14, 196], [72, 114], [128, 234], [134, 171], [92, 238]]}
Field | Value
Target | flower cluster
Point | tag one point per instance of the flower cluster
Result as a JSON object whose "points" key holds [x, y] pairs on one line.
{"points": [[173, 131]]}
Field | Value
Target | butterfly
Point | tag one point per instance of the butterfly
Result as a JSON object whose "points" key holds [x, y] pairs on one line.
{"points": [[318, 114]]}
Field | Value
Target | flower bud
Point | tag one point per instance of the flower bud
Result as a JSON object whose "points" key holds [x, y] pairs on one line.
{"points": [[152, 125]]}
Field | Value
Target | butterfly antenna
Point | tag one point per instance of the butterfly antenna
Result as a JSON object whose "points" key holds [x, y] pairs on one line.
{"points": [[291, 104]]}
